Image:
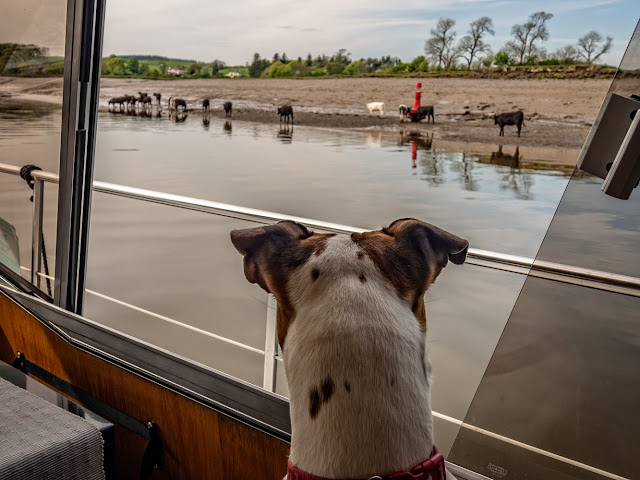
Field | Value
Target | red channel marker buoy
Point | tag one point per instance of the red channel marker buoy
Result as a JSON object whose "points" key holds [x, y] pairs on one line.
{"points": [[416, 103]]}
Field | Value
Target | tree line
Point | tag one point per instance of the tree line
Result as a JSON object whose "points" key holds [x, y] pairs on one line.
{"points": [[524, 48], [443, 52], [155, 66]]}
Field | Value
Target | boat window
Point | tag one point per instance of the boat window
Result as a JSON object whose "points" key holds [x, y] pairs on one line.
{"points": [[32, 42], [161, 267], [559, 395], [527, 338]]}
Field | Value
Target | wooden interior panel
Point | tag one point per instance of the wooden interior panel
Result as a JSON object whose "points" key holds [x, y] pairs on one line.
{"points": [[198, 442]]}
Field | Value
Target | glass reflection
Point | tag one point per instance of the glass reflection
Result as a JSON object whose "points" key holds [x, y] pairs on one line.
{"points": [[31, 69], [559, 396]]}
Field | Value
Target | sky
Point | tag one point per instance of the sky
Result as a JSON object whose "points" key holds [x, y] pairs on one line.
{"points": [[232, 31]]}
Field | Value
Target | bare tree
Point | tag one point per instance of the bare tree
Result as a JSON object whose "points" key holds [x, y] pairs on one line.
{"points": [[449, 57], [525, 35], [472, 44], [440, 46], [566, 54], [589, 46]]}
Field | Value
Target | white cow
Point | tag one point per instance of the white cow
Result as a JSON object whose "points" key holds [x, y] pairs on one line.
{"points": [[373, 106]]}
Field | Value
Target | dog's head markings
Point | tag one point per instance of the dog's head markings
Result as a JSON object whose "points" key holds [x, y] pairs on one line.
{"points": [[408, 254]]}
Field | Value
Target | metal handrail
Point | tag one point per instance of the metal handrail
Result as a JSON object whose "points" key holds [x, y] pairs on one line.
{"points": [[484, 258]]}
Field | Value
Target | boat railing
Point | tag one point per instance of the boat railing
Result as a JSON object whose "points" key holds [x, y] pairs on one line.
{"points": [[484, 258]]}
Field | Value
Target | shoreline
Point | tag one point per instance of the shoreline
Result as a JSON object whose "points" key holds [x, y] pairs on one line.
{"points": [[558, 113]]}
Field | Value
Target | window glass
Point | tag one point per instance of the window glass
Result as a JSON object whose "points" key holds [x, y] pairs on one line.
{"points": [[559, 395], [32, 38], [165, 271]]}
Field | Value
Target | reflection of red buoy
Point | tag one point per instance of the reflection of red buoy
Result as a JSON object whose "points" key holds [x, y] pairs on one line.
{"points": [[416, 103], [414, 154]]}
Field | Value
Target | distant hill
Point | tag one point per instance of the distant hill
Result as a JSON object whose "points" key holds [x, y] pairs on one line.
{"points": [[148, 58]]}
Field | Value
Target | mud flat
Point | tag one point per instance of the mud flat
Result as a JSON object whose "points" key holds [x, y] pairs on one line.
{"points": [[558, 112]]}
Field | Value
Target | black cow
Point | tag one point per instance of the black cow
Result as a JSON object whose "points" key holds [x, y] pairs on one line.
{"points": [[144, 101], [285, 111], [421, 113], [158, 97], [205, 105], [120, 101], [509, 118], [131, 101], [228, 107]]}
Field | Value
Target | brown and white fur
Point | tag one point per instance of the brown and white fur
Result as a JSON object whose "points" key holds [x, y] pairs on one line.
{"points": [[352, 326]]}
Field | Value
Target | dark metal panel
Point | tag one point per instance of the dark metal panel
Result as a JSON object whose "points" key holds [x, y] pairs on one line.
{"points": [[96, 69], [83, 50]]}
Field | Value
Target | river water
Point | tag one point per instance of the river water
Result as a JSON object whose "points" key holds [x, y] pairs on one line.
{"points": [[179, 265]]}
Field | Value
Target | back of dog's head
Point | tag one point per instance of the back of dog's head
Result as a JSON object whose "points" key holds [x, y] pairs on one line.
{"points": [[287, 260]]}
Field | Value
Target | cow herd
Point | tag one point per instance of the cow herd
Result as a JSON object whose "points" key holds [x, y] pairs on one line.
{"points": [[420, 113], [144, 103]]}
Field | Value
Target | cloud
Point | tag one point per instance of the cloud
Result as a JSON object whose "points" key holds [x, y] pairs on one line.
{"points": [[202, 30]]}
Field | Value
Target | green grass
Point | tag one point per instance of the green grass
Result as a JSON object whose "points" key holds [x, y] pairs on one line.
{"points": [[243, 70]]}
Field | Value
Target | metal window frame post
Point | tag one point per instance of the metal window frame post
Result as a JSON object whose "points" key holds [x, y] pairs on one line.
{"points": [[270, 346], [36, 231], [83, 51]]}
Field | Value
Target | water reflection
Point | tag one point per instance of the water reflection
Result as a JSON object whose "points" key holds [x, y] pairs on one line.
{"points": [[416, 140], [227, 127], [421, 140], [206, 121], [130, 110], [178, 117], [285, 133], [513, 179], [506, 160]]}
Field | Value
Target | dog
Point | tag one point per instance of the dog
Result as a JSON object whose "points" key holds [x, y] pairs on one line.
{"points": [[351, 324], [403, 111]]}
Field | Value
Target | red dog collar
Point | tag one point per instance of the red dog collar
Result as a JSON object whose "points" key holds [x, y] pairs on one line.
{"points": [[432, 468]]}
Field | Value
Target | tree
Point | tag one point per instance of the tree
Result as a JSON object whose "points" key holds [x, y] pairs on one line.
{"points": [[256, 67], [418, 64], [342, 57], [472, 44], [284, 58], [525, 35], [309, 61], [354, 68], [589, 46], [502, 59], [194, 69], [567, 54], [133, 65], [439, 47], [276, 57], [162, 67], [116, 66]]}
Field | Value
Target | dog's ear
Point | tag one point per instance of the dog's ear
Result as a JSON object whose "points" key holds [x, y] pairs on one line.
{"points": [[424, 236], [270, 251]]}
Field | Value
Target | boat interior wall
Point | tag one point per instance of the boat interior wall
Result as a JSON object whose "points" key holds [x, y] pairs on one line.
{"points": [[197, 441]]}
